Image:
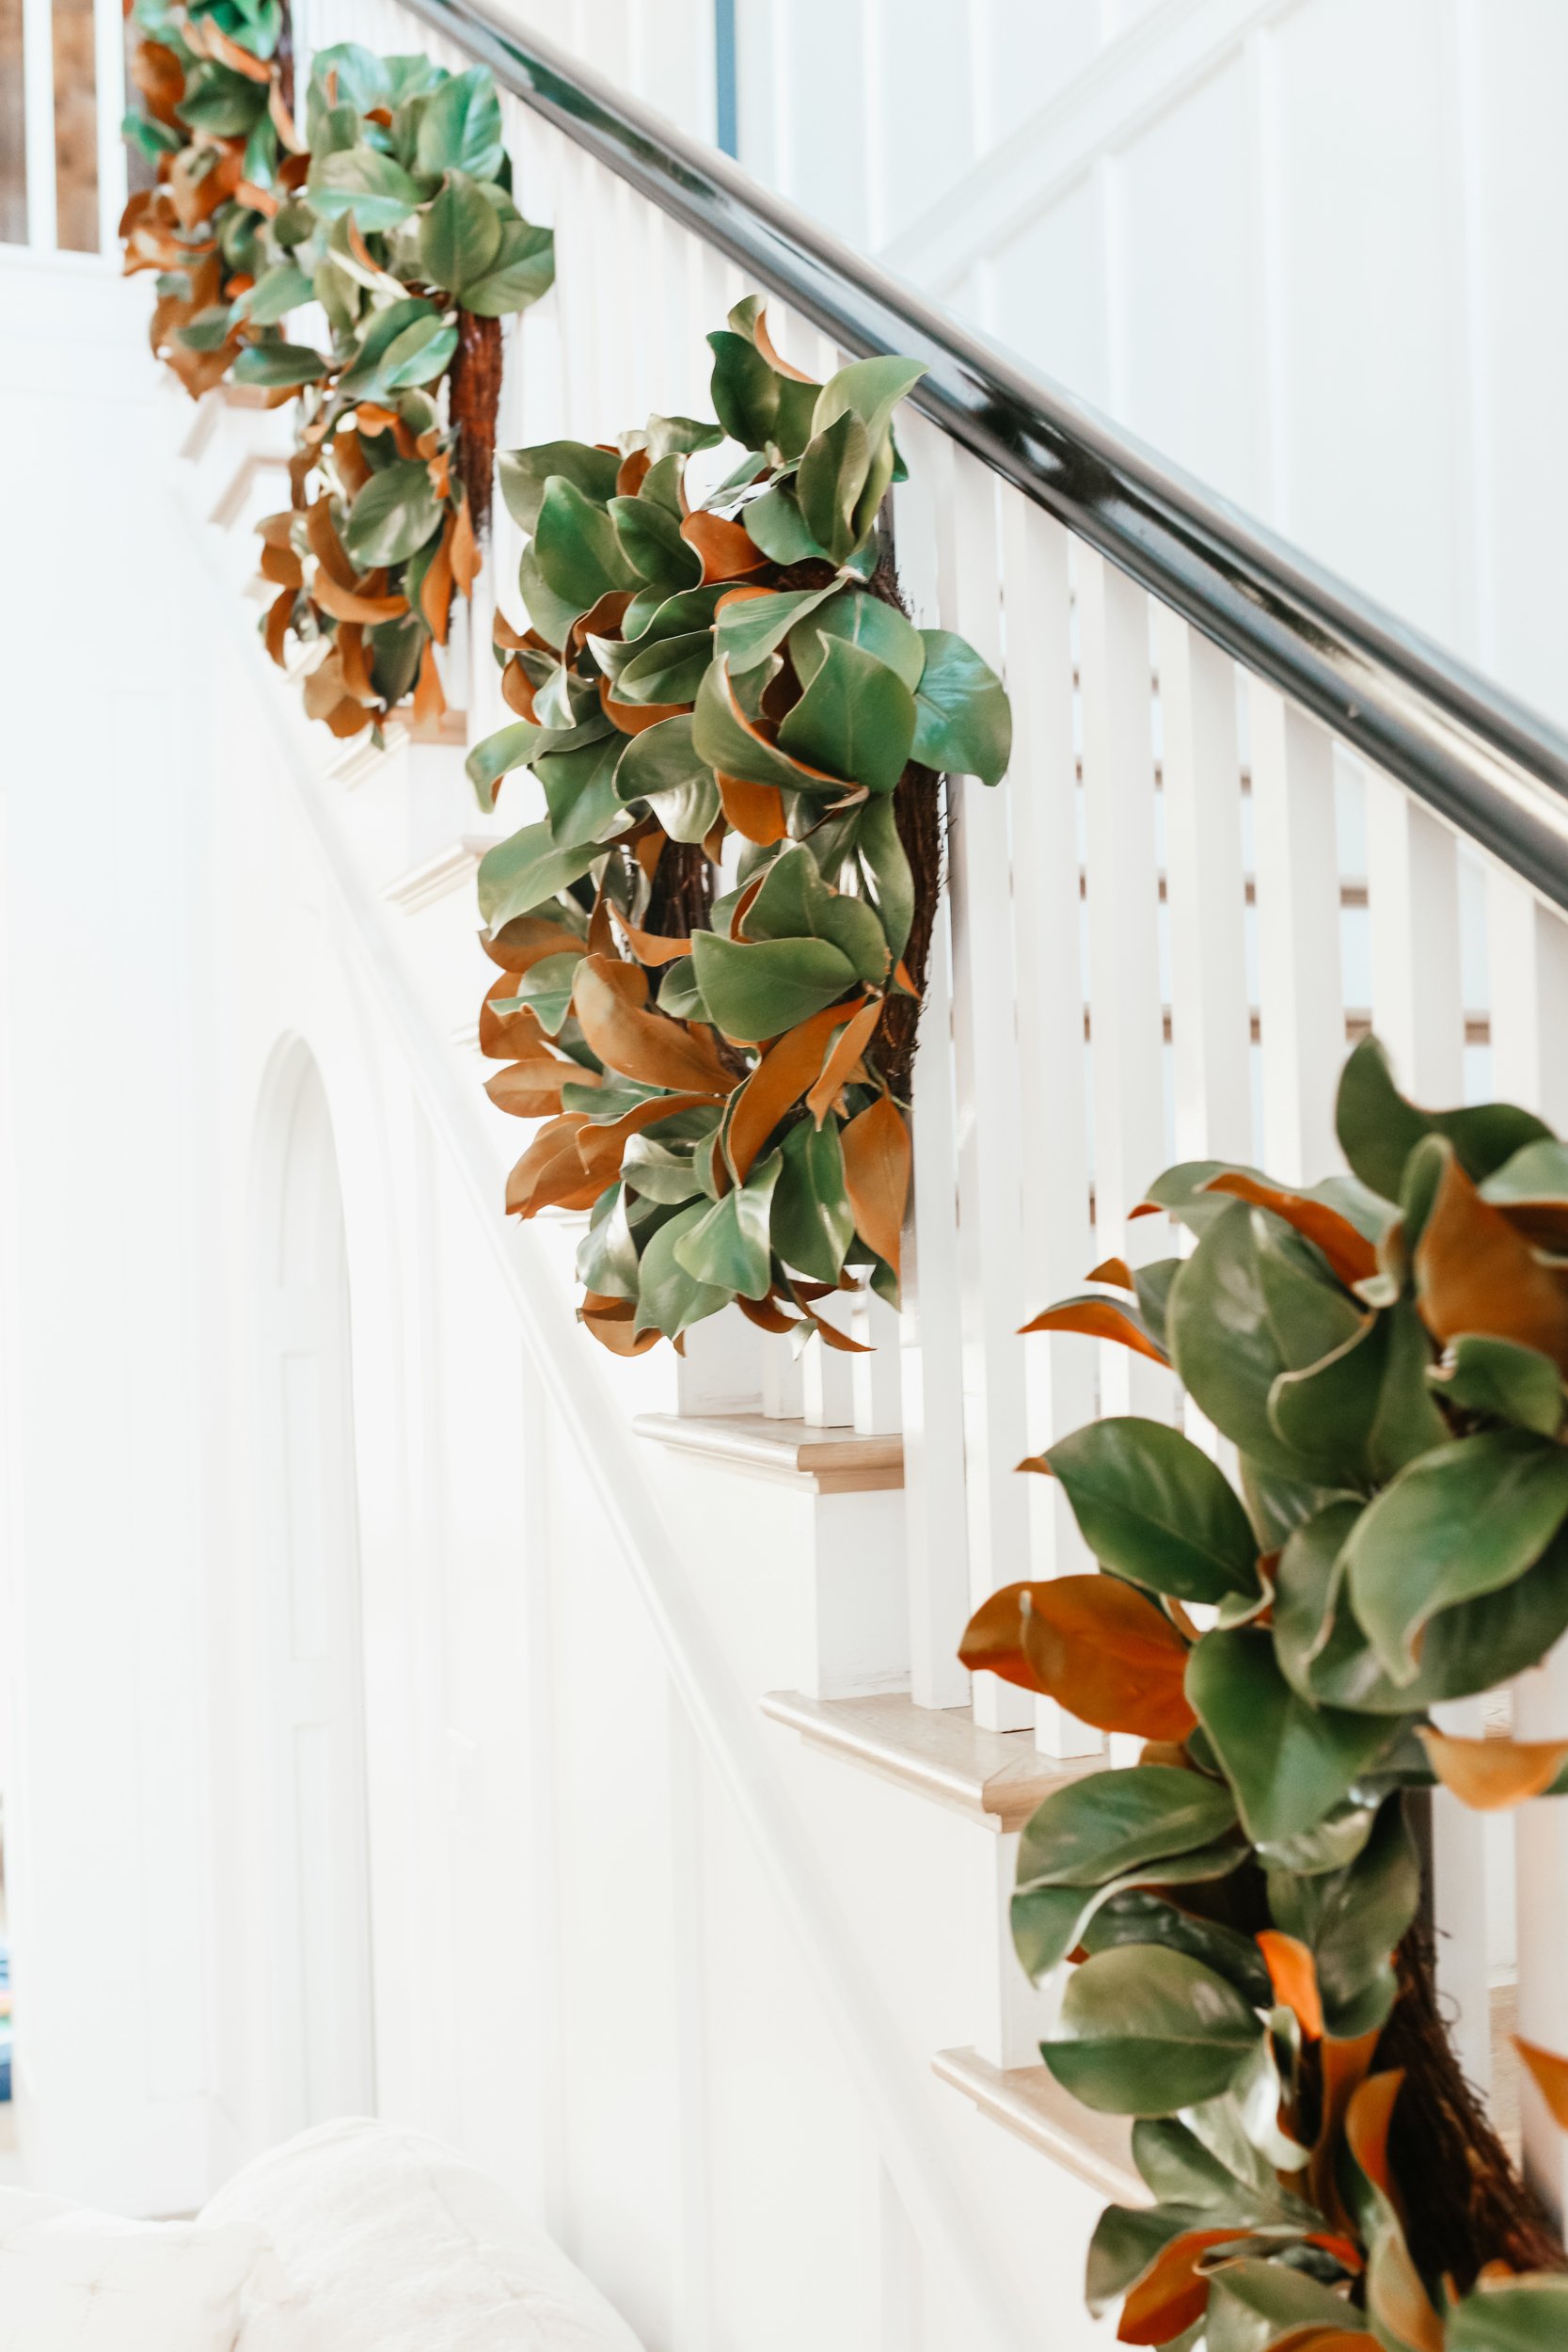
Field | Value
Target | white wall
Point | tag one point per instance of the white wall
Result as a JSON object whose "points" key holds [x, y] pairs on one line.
{"points": [[1302, 248]]}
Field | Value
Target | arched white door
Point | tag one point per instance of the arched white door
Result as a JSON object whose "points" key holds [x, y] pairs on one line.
{"points": [[320, 1985]]}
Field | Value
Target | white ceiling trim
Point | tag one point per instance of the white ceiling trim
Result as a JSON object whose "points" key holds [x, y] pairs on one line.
{"points": [[1133, 79]]}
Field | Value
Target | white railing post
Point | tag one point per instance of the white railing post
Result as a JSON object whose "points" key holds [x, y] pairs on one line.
{"points": [[38, 100]]}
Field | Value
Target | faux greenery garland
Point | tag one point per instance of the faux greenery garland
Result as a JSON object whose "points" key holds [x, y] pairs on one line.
{"points": [[1386, 1352], [398, 224], [722, 1079]]}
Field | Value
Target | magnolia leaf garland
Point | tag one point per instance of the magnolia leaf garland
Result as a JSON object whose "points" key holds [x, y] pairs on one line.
{"points": [[1387, 1353], [729, 677], [393, 217]]}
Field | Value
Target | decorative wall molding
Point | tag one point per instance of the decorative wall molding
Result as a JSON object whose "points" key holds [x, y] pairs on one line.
{"points": [[1134, 78]]}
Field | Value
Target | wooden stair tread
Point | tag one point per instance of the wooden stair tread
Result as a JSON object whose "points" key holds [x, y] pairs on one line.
{"points": [[1028, 2102], [939, 1753], [835, 1461]]}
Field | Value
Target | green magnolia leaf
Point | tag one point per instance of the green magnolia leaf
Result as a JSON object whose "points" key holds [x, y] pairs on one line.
{"points": [[396, 512], [364, 182], [1351, 1919], [1095, 1829], [1154, 1508], [1179, 2168], [756, 991], [1224, 1341], [1145, 2031], [1522, 2314], [963, 720], [832, 475], [607, 1255], [813, 1224], [1127, 2241], [546, 987], [1365, 1408], [1502, 1379], [460, 128], [580, 789], [459, 235], [856, 718], [1253, 2304], [660, 765], [728, 1245], [744, 390], [747, 632], [795, 903], [1461, 1521], [1289, 1763], [576, 547], [885, 870], [524, 870], [552, 614], [678, 993], [524, 270], [418, 355], [726, 746], [524, 472], [1138, 1915], [650, 536], [498, 754], [669, 671], [775, 524], [276, 291], [279, 364], [679, 436], [668, 1298], [1378, 1129], [861, 619], [870, 389]]}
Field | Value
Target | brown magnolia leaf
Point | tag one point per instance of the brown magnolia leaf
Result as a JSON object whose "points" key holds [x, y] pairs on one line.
{"points": [[1095, 1644], [438, 467], [510, 641], [631, 474], [278, 615], [436, 587], [357, 668], [612, 1323], [778, 1082], [1549, 2075], [839, 1342], [755, 811], [651, 946], [549, 1174], [739, 595], [345, 604], [1489, 1775], [840, 1064], [1344, 2066], [1353, 1257], [610, 999], [324, 686], [282, 566], [602, 1144], [466, 561], [1367, 2117], [430, 698], [725, 549], [1099, 1319], [761, 737], [1293, 1974], [526, 941], [876, 1146], [1173, 2293], [349, 717], [532, 1088], [508, 1035], [321, 534], [1398, 2301], [602, 619], [635, 718], [284, 123], [1474, 1272], [1115, 1270], [764, 345], [768, 1315]]}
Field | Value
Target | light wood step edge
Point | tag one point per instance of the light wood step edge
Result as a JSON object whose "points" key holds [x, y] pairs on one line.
{"points": [[832, 1461], [1028, 2102], [996, 1778]]}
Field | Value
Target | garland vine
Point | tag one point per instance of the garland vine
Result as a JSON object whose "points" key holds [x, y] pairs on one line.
{"points": [[731, 678], [1387, 1354], [393, 219]]}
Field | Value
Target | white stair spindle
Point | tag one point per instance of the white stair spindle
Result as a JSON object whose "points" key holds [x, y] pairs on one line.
{"points": [[1053, 1110], [1413, 897], [1301, 1002], [1126, 1018]]}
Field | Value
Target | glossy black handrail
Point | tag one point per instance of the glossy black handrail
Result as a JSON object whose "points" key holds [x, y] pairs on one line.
{"points": [[1494, 769]]}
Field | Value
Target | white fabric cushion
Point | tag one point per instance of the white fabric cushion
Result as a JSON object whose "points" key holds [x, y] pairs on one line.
{"points": [[95, 2283], [392, 2243]]}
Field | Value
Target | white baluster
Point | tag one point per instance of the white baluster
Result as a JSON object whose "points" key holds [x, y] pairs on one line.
{"points": [[1053, 1110], [1413, 897], [38, 100], [1301, 1001], [1204, 894], [1126, 1020]]}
